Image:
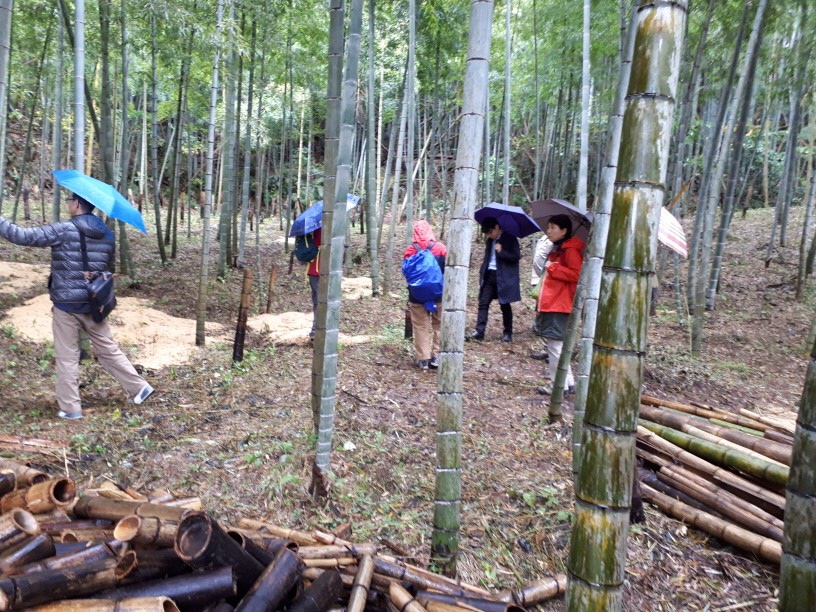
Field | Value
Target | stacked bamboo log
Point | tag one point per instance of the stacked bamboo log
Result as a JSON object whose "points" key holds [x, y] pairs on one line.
{"points": [[721, 472], [114, 549]]}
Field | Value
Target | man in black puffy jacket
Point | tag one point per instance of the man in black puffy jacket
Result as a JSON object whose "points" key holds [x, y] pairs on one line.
{"points": [[71, 310]]}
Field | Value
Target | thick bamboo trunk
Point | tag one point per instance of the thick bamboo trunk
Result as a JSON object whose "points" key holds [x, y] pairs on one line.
{"points": [[203, 545], [778, 452], [16, 526], [273, 585], [28, 551], [320, 595], [773, 473], [135, 604], [651, 440], [362, 583], [736, 536]]}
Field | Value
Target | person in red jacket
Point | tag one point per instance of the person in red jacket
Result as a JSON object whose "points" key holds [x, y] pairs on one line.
{"points": [[562, 270], [425, 323], [313, 274]]}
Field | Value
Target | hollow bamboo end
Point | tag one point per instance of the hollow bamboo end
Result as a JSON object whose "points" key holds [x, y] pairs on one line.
{"points": [[127, 528], [194, 534], [125, 565], [63, 491], [25, 521]]}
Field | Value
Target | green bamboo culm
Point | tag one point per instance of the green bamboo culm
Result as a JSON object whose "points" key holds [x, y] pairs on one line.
{"points": [[603, 487], [797, 579]]}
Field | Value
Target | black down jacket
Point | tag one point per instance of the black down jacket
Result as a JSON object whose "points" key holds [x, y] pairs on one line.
{"points": [[67, 282]]}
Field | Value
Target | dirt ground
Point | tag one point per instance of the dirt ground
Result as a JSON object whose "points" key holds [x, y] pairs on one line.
{"points": [[240, 436]]}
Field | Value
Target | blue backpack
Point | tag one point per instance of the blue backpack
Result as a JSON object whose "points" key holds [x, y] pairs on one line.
{"points": [[305, 248], [424, 277]]}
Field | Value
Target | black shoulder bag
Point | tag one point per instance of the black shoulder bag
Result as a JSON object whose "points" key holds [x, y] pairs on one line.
{"points": [[100, 286]]}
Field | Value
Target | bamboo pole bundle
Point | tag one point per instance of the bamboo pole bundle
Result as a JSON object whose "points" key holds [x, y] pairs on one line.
{"points": [[784, 425], [737, 536], [361, 585], [402, 599], [16, 526], [709, 437], [709, 414], [134, 604], [772, 473], [774, 450]]}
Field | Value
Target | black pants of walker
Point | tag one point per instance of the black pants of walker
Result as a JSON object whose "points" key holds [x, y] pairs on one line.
{"points": [[488, 292]]}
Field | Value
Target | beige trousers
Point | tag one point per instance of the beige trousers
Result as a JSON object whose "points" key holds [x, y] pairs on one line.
{"points": [[426, 330], [554, 349], [66, 328]]}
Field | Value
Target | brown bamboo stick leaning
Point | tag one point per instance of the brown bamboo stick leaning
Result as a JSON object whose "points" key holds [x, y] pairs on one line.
{"points": [[26, 476], [361, 585], [403, 600], [202, 544], [726, 496], [134, 604], [537, 591], [426, 580], [722, 506], [28, 551], [709, 414], [16, 526], [774, 450], [320, 595], [273, 585], [734, 535], [654, 441], [191, 591]]}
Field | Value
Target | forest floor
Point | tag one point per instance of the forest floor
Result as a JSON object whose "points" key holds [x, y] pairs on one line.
{"points": [[240, 435]]}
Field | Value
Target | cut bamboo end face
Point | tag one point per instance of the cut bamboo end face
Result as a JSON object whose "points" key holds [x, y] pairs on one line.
{"points": [[15, 526], [194, 538], [41, 497]]}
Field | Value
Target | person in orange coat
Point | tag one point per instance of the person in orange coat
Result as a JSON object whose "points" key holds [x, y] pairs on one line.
{"points": [[557, 293]]}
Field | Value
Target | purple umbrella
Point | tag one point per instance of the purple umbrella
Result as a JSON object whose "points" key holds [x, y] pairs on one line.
{"points": [[512, 219]]}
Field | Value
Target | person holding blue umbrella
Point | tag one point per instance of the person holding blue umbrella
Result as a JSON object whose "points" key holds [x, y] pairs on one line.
{"points": [[84, 237]]}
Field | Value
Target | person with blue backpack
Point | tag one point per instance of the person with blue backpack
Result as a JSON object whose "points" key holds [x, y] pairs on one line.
{"points": [[424, 266]]}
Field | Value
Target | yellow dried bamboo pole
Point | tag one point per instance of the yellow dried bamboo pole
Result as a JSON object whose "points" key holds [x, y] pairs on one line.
{"points": [[329, 538], [300, 537], [334, 551], [361, 585], [734, 535], [326, 563], [536, 592], [709, 414], [789, 427], [133, 604], [425, 579]]}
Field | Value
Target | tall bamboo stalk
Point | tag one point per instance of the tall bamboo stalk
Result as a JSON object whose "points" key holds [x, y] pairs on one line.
{"points": [[603, 488]]}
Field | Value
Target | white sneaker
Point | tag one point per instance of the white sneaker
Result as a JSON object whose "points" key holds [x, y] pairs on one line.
{"points": [[142, 395], [69, 415]]}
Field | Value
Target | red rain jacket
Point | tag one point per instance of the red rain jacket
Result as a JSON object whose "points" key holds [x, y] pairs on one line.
{"points": [[561, 280]]}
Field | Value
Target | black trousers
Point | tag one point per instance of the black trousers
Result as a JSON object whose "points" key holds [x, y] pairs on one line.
{"points": [[488, 292]]}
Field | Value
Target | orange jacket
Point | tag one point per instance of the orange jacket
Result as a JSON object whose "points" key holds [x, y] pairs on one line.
{"points": [[561, 279]]}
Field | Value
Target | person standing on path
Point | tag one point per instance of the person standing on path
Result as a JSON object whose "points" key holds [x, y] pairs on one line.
{"points": [[498, 279], [71, 312], [313, 274], [425, 323], [563, 268]]}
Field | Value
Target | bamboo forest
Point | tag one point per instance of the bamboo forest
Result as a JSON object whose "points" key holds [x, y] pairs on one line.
{"points": [[407, 305]]}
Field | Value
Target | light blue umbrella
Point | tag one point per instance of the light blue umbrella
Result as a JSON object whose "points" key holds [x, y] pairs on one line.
{"points": [[103, 196], [312, 218]]}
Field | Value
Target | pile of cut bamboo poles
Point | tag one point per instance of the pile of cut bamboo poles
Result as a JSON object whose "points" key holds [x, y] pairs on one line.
{"points": [[116, 550], [721, 472]]}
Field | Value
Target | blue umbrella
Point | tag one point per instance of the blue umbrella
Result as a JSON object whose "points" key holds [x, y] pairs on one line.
{"points": [[103, 196], [312, 218], [512, 219]]}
